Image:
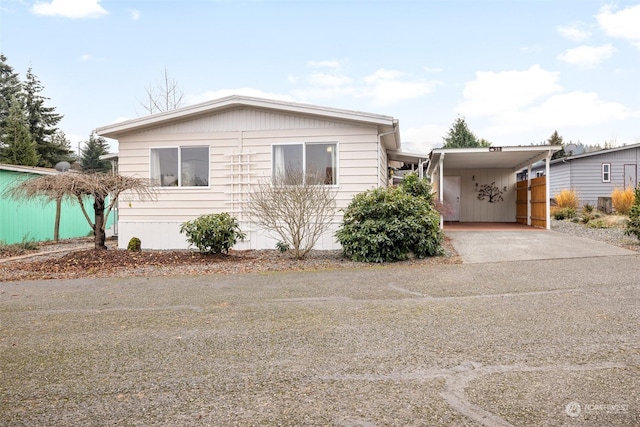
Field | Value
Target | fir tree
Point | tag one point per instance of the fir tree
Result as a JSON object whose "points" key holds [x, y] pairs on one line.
{"points": [[556, 139], [42, 123], [18, 147], [460, 136], [90, 155], [10, 88], [633, 226]]}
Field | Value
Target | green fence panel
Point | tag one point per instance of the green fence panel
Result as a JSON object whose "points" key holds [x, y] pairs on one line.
{"points": [[35, 219]]}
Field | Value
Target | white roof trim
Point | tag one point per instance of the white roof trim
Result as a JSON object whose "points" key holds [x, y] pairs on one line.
{"points": [[28, 169], [113, 130], [508, 157], [598, 153]]}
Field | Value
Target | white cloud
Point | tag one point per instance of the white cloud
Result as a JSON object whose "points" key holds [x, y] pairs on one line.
{"points": [[70, 8], [587, 56], [135, 14], [86, 57], [383, 87], [420, 140], [624, 24], [574, 33], [570, 109], [388, 87], [493, 93], [329, 79], [210, 95], [432, 69]]}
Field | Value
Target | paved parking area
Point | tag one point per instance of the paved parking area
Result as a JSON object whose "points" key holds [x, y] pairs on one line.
{"points": [[533, 244], [551, 342]]}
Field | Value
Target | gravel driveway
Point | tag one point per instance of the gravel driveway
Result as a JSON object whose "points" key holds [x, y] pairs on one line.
{"points": [[552, 342]]}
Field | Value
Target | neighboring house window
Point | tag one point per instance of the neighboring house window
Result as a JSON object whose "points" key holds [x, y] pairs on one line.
{"points": [[317, 159], [180, 166], [606, 172]]}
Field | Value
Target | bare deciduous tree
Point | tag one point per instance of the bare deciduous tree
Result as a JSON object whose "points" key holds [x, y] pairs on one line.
{"points": [[297, 207], [79, 186], [163, 96]]}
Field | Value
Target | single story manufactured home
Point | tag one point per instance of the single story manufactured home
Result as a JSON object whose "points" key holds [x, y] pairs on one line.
{"points": [[596, 174], [480, 184], [206, 158]]}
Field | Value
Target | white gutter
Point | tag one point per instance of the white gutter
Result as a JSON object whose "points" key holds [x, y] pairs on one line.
{"points": [[380, 135]]}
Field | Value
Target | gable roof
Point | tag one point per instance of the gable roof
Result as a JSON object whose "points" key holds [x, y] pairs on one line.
{"points": [[387, 125], [596, 153]]}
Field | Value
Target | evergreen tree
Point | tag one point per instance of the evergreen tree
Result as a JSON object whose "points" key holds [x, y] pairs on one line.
{"points": [[90, 155], [10, 88], [18, 147], [460, 136], [556, 139], [42, 123]]}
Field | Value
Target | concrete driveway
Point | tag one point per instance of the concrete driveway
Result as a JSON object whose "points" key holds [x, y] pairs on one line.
{"points": [[500, 246]]}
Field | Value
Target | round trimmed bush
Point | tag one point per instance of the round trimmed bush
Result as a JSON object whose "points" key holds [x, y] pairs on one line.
{"points": [[213, 233], [391, 224]]}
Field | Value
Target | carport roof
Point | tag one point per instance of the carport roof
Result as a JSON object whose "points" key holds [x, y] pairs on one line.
{"points": [[508, 157]]}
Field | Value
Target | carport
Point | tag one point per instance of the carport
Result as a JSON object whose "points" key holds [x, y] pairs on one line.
{"points": [[479, 185]]}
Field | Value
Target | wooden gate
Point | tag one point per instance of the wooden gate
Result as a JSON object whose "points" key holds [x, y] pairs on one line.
{"points": [[538, 202]]}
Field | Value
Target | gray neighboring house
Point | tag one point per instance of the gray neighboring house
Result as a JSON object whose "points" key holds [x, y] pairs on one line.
{"points": [[594, 174]]}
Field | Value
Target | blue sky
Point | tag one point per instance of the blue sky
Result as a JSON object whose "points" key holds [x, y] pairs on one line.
{"points": [[516, 70]]}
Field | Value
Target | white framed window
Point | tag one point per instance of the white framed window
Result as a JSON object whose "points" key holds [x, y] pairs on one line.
{"points": [[606, 172], [180, 166], [318, 159]]}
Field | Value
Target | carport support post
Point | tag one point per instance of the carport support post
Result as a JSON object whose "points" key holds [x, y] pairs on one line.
{"points": [[529, 195], [440, 189], [547, 192]]}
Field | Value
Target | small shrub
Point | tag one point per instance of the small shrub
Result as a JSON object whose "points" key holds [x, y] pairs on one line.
{"points": [[598, 223], [588, 208], [563, 213], [567, 199], [622, 200], [633, 226], [282, 247], [390, 224], [214, 233], [135, 245]]}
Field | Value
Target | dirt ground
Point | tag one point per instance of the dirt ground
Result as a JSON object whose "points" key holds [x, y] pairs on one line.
{"points": [[73, 259]]}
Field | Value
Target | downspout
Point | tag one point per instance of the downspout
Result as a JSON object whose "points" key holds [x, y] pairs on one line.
{"points": [[547, 190], [380, 135], [440, 187]]}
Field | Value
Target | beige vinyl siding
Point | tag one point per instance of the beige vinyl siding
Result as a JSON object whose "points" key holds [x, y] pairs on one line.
{"points": [[474, 210], [357, 160], [247, 120]]}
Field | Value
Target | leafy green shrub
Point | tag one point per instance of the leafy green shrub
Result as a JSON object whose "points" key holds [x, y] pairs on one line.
{"points": [[415, 186], [391, 224], [563, 213], [633, 226], [282, 246], [588, 208], [135, 245], [214, 233]]}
